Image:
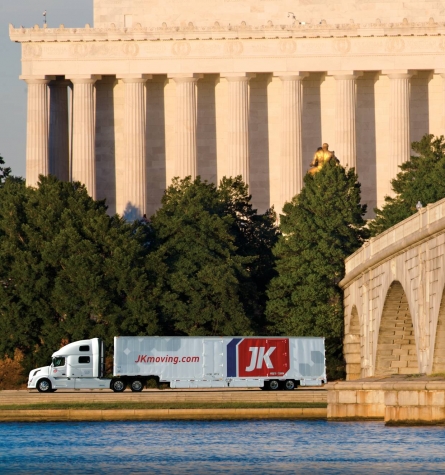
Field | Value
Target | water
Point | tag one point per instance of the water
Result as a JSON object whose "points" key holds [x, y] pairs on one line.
{"points": [[219, 447]]}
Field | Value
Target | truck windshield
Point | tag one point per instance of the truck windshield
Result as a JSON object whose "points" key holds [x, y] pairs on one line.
{"points": [[59, 361]]}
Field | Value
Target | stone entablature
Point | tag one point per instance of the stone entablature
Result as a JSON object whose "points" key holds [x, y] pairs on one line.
{"points": [[189, 52], [393, 295]]}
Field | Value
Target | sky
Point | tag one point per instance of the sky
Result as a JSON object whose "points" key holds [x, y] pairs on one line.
{"points": [[72, 13]]}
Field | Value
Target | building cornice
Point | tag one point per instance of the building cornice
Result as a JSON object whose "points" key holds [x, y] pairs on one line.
{"points": [[218, 31]]}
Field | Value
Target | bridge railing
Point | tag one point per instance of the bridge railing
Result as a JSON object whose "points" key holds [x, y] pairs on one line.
{"points": [[421, 224]]}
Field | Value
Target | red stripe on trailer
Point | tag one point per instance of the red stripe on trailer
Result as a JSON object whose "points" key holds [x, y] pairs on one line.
{"points": [[263, 357]]}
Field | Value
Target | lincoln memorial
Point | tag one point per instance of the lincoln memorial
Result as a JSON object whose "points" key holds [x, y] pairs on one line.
{"points": [[163, 88]]}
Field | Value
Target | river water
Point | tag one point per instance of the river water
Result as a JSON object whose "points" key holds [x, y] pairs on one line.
{"points": [[219, 447]]}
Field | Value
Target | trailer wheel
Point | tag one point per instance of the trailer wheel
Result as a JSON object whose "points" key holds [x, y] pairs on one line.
{"points": [[137, 386], [118, 386], [44, 386], [289, 385], [273, 385]]}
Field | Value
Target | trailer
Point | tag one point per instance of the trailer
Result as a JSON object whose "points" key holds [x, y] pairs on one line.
{"points": [[186, 362]]}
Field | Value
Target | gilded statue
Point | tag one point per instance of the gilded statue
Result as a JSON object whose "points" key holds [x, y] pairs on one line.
{"points": [[321, 156]]}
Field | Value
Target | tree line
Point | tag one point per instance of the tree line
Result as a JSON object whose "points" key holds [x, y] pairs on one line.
{"points": [[206, 263]]}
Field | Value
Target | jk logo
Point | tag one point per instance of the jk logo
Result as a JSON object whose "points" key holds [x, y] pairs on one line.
{"points": [[259, 356]]}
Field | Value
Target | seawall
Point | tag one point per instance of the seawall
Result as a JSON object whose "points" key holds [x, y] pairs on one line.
{"points": [[393, 401], [159, 414]]}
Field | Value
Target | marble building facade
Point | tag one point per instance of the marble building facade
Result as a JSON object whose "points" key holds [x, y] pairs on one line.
{"points": [[225, 87]]}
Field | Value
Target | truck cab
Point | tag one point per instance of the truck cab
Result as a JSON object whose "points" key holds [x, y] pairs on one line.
{"points": [[78, 365]]}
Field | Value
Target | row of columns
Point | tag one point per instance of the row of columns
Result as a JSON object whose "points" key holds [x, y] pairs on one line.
{"points": [[46, 145]]}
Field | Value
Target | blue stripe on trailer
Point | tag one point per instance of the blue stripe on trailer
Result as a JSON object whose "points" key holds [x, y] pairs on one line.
{"points": [[231, 357]]}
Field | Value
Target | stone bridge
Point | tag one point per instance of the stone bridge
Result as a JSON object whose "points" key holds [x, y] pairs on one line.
{"points": [[394, 299]]}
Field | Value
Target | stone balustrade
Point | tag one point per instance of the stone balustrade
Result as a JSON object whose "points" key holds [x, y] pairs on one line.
{"points": [[428, 221]]}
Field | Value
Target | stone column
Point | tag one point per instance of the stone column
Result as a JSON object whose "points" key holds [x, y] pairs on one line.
{"points": [[442, 74], [238, 125], [84, 132], [291, 140], [345, 108], [58, 130], [399, 133], [37, 151], [134, 177], [186, 119]]}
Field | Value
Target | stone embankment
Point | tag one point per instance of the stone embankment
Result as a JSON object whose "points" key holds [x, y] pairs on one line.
{"points": [[153, 397], [396, 400], [159, 414], [165, 396]]}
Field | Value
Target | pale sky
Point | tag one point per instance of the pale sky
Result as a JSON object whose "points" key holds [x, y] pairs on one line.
{"points": [[72, 13]]}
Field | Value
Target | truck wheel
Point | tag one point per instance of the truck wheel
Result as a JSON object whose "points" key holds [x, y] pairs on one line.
{"points": [[44, 386], [289, 385], [274, 385], [137, 386], [118, 386]]}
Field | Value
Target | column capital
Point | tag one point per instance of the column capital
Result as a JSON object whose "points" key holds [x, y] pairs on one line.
{"points": [[84, 78], [347, 74], [399, 73], [185, 77], [291, 76], [134, 78], [238, 76], [440, 71], [39, 79]]}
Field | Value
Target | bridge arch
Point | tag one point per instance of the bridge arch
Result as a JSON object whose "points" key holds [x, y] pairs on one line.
{"points": [[438, 365], [352, 347], [396, 345]]}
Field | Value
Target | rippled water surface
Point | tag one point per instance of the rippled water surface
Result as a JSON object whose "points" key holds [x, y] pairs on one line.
{"points": [[219, 447]]}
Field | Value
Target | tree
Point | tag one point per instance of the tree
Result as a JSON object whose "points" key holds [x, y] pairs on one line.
{"points": [[422, 178], [4, 171], [255, 236], [68, 271], [198, 263], [321, 226]]}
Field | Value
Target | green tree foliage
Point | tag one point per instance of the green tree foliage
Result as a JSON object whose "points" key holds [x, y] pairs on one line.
{"points": [[255, 236], [422, 178], [4, 171], [68, 271], [208, 245], [321, 226]]}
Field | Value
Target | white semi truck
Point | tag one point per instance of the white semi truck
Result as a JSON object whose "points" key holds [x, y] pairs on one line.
{"points": [[186, 362]]}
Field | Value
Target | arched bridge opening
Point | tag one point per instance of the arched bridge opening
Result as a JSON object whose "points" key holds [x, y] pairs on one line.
{"points": [[396, 345], [439, 346], [351, 348]]}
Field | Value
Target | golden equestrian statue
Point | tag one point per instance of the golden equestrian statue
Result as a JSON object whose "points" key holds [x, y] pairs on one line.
{"points": [[321, 156]]}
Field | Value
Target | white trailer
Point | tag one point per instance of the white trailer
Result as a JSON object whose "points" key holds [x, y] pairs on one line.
{"points": [[186, 362]]}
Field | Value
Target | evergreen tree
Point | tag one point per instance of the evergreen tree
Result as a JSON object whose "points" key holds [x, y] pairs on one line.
{"points": [[255, 236], [68, 271], [5, 172], [321, 227], [422, 178], [197, 262]]}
